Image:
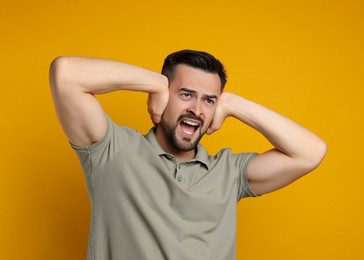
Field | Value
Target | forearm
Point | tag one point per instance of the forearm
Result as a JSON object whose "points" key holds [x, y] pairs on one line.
{"points": [[99, 76], [287, 136]]}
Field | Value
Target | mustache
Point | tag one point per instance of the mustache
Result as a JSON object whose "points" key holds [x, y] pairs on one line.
{"points": [[190, 116]]}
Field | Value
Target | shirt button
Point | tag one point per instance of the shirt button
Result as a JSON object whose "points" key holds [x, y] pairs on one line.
{"points": [[179, 166], [179, 178]]}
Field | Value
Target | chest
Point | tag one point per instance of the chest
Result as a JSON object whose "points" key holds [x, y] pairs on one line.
{"points": [[165, 186]]}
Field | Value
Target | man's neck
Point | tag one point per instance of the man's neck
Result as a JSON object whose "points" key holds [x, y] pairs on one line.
{"points": [[164, 143]]}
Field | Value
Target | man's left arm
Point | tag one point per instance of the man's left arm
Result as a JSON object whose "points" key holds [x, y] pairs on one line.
{"points": [[297, 151]]}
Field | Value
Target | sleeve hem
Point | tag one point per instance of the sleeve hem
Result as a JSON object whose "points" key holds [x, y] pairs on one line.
{"points": [[94, 146], [247, 190]]}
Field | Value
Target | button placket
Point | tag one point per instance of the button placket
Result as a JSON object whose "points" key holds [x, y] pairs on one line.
{"points": [[178, 175]]}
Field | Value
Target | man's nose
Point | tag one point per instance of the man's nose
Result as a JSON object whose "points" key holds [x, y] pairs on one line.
{"points": [[195, 109]]}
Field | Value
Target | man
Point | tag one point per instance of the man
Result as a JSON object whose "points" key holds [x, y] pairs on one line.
{"points": [[161, 196]]}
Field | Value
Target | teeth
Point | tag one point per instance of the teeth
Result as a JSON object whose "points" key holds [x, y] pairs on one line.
{"points": [[190, 123]]}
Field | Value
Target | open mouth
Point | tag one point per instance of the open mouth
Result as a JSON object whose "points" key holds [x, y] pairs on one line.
{"points": [[189, 127]]}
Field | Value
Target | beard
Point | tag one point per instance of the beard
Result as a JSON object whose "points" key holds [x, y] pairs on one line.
{"points": [[186, 144]]}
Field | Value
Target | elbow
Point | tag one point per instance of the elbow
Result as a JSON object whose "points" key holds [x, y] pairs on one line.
{"points": [[58, 71], [318, 153], [321, 152]]}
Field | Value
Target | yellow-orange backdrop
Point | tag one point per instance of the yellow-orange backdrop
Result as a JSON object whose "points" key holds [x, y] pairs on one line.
{"points": [[301, 58]]}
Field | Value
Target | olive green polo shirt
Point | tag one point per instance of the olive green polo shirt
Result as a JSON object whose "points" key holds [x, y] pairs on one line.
{"points": [[146, 205]]}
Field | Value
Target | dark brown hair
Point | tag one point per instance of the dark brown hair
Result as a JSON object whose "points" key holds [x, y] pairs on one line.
{"points": [[196, 59]]}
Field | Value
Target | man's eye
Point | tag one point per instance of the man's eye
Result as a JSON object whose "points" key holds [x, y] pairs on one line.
{"points": [[186, 94], [210, 101]]}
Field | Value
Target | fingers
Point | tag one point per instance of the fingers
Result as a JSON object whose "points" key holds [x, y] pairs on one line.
{"points": [[154, 114], [215, 126], [156, 105], [217, 121]]}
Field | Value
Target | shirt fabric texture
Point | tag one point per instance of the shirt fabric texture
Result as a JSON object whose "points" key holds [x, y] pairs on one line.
{"points": [[148, 205]]}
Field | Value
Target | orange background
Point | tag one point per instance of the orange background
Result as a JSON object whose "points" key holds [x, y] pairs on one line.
{"points": [[303, 59]]}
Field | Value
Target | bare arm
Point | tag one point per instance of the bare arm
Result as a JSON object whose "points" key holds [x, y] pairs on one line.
{"points": [[74, 82], [297, 150]]}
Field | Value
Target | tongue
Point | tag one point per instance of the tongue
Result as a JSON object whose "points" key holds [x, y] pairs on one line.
{"points": [[187, 128]]}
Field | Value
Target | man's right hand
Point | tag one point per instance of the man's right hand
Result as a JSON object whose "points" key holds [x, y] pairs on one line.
{"points": [[157, 103]]}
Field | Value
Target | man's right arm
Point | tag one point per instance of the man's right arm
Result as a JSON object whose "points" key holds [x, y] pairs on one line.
{"points": [[75, 80]]}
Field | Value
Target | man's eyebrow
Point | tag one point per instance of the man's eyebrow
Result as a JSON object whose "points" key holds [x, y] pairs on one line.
{"points": [[211, 96], [194, 91], [188, 90]]}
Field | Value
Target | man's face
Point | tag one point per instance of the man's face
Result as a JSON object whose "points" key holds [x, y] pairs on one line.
{"points": [[193, 95]]}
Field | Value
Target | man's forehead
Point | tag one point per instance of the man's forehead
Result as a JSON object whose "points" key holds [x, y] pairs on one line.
{"points": [[196, 80]]}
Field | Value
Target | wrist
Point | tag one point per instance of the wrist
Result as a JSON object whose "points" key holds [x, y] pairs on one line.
{"points": [[161, 85], [227, 102]]}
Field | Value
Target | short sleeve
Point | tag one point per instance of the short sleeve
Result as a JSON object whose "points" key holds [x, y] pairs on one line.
{"points": [[96, 155], [242, 162]]}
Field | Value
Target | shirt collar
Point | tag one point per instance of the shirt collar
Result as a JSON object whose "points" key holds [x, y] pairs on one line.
{"points": [[201, 155]]}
